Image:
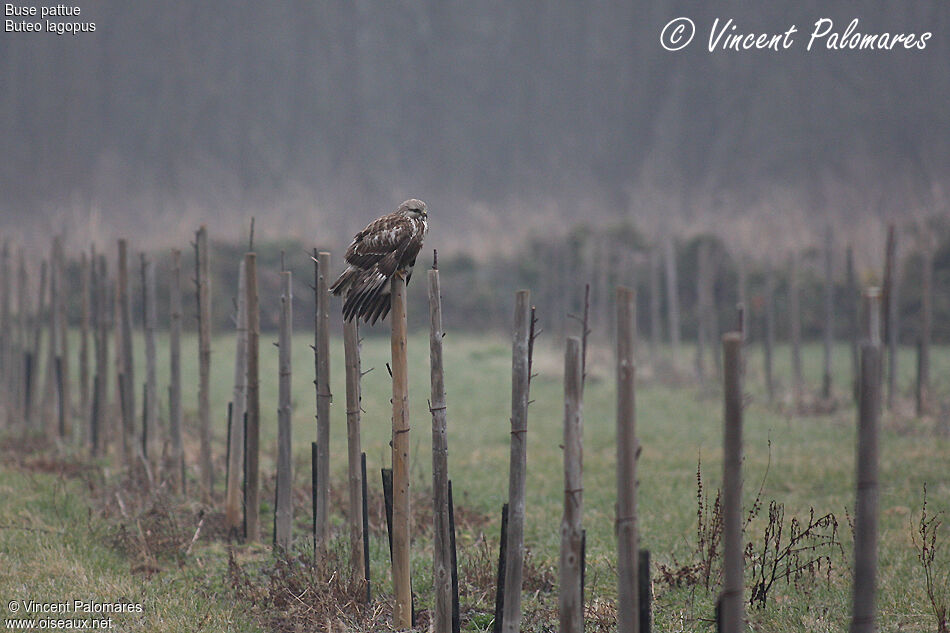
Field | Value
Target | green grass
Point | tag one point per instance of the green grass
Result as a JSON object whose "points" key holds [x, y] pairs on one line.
{"points": [[810, 464]]}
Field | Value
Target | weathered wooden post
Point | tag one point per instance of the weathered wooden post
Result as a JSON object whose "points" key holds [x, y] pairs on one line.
{"points": [[655, 325], [62, 325], [152, 445], [84, 323], [354, 450], [284, 510], [829, 324], [127, 368], [866, 503], [232, 499], [702, 309], [23, 317], [517, 469], [402, 588], [926, 325], [795, 331], [672, 297], [203, 288], [769, 338], [628, 617], [571, 607], [853, 304], [731, 599], [174, 389], [252, 509], [441, 552], [321, 352], [34, 359], [890, 312]]}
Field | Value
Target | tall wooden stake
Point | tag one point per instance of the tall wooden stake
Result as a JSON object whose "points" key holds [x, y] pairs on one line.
{"points": [[351, 353], [795, 330], [628, 616], [84, 323], [402, 613], [174, 389], [853, 304], [322, 383], [890, 313], [731, 600], [441, 550], [769, 338], [203, 285], [655, 325], [571, 607], [127, 369], [252, 437], [517, 469], [866, 503], [33, 374], [672, 297], [284, 510], [829, 325], [232, 501], [926, 325], [152, 440]]}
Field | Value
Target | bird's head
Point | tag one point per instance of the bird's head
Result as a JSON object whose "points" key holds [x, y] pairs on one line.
{"points": [[413, 208]]}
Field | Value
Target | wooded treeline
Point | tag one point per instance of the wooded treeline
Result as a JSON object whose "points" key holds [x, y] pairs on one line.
{"points": [[341, 107]]}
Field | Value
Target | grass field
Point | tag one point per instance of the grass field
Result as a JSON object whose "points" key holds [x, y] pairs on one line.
{"points": [[801, 461]]}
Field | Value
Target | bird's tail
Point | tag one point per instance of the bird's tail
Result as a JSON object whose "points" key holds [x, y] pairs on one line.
{"points": [[344, 280], [368, 297]]}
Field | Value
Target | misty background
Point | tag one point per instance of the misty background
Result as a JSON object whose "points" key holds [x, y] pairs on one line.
{"points": [[554, 142]]}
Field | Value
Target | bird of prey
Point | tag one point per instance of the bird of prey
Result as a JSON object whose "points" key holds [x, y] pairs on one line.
{"points": [[386, 247]]}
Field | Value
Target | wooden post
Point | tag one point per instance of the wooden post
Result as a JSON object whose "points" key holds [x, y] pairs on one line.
{"points": [[702, 309], [84, 322], [284, 518], [152, 443], [926, 325], [174, 389], [441, 552], [571, 608], [795, 331], [517, 469], [645, 587], [126, 369], [24, 336], [203, 287], [627, 539], [672, 297], [354, 450], [322, 383], [31, 387], [232, 500], [655, 325], [890, 313], [49, 387], [456, 617], [769, 338], [252, 437], [62, 325], [402, 612], [866, 503], [732, 604], [829, 325], [872, 314], [853, 304], [6, 331], [500, 576], [365, 514]]}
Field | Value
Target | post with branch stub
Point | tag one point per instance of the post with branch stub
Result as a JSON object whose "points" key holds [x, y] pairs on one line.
{"points": [[442, 553], [402, 613], [203, 283], [571, 607], [628, 618], [517, 469], [284, 510], [174, 389], [321, 262], [731, 600], [252, 527], [866, 503], [351, 360], [232, 500]]}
